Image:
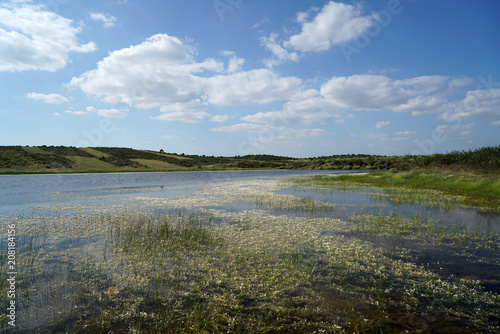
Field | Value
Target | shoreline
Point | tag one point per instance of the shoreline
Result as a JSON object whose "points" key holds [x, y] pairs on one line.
{"points": [[41, 172]]}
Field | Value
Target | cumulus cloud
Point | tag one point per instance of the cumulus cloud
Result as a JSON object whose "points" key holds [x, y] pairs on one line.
{"points": [[381, 124], [288, 117], [32, 38], [275, 132], [446, 128], [405, 133], [358, 93], [235, 63], [75, 112], [159, 71], [107, 20], [162, 73], [48, 98], [251, 87], [460, 82], [476, 104], [190, 112], [280, 54], [335, 24], [109, 113], [378, 92], [422, 105]]}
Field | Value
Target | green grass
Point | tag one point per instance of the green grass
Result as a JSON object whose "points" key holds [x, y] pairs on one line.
{"points": [[477, 188], [90, 164]]}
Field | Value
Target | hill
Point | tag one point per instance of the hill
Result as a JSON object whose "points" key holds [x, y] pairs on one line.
{"points": [[57, 159]]}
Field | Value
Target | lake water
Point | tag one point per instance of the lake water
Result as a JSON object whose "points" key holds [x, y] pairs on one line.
{"points": [[81, 237], [23, 191], [20, 192]]}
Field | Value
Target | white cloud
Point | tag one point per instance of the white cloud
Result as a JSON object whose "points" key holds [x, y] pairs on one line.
{"points": [[287, 117], [337, 23], [109, 113], [159, 71], [32, 38], [107, 20], [405, 133], [381, 124], [358, 93], [162, 73], [460, 82], [280, 54], [495, 123], [75, 112], [306, 107], [476, 104], [235, 64], [48, 98], [446, 128], [377, 92], [190, 112], [250, 87], [274, 133], [465, 133], [185, 116], [422, 105]]}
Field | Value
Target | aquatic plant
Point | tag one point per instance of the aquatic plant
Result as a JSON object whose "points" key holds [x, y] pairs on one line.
{"points": [[193, 264]]}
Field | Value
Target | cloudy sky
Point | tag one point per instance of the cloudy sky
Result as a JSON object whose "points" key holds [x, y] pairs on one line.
{"points": [[235, 77]]}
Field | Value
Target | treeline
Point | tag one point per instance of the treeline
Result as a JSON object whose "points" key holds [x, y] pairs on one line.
{"points": [[62, 157], [485, 158]]}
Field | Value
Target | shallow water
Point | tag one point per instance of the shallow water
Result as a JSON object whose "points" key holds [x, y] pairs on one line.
{"points": [[362, 201], [18, 192], [85, 235]]}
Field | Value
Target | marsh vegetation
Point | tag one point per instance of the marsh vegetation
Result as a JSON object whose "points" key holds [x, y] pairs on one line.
{"points": [[256, 256]]}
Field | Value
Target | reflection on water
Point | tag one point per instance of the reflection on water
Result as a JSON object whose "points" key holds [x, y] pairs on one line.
{"points": [[353, 202], [18, 192]]}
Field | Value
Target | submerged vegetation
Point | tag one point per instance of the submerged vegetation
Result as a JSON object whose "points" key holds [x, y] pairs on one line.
{"points": [[394, 251], [18, 159], [463, 186], [250, 257]]}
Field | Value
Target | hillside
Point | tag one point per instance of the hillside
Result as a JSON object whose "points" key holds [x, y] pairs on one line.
{"points": [[57, 159]]}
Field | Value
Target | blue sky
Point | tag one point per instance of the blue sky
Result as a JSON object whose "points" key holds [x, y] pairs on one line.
{"points": [[236, 77]]}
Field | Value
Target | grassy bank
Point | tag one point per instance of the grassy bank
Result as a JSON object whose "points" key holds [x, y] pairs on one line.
{"points": [[478, 188], [61, 159]]}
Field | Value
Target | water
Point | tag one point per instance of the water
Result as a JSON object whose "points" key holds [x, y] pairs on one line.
{"points": [[350, 203], [69, 227], [19, 192]]}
